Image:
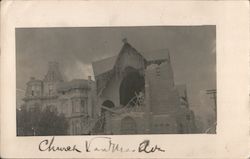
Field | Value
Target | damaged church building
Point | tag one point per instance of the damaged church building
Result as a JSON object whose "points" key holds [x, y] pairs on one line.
{"points": [[137, 95], [133, 93]]}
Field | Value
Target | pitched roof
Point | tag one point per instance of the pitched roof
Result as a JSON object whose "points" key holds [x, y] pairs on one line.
{"points": [[104, 65], [73, 84], [107, 64]]}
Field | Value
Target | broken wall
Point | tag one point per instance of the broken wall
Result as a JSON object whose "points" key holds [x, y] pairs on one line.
{"points": [[163, 96]]}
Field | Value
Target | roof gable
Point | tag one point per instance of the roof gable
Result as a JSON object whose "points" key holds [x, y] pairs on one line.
{"points": [[127, 48], [105, 65]]}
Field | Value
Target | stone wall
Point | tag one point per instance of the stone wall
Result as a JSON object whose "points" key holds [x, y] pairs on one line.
{"points": [[163, 95], [164, 124]]}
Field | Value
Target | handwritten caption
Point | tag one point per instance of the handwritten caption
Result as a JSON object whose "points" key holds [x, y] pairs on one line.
{"points": [[91, 145]]}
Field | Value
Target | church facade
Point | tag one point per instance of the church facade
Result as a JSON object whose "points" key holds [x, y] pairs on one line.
{"points": [[133, 93], [137, 94]]}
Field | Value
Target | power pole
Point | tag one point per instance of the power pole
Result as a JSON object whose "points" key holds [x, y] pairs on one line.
{"points": [[213, 94]]}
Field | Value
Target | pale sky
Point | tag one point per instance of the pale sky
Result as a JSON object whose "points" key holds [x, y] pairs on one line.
{"points": [[192, 52]]}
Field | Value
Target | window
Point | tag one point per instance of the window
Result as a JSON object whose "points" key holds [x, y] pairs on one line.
{"points": [[83, 106], [35, 90], [53, 75], [73, 127], [32, 90], [157, 71], [75, 105], [50, 89], [32, 108], [76, 127], [52, 108], [188, 117], [64, 106]]}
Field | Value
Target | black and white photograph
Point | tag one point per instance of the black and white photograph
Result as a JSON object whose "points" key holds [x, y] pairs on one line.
{"points": [[116, 80], [124, 79]]}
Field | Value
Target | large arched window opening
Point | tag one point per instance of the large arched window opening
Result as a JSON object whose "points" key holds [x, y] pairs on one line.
{"points": [[128, 126], [133, 83]]}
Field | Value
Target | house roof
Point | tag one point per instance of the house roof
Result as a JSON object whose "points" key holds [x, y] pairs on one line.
{"points": [[107, 64], [73, 84]]}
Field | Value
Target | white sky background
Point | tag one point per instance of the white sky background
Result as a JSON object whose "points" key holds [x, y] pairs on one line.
{"points": [[192, 52]]}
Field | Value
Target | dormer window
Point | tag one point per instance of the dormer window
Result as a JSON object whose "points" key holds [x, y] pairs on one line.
{"points": [[32, 90]]}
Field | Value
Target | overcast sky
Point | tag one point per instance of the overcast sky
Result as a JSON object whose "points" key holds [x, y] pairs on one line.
{"points": [[192, 51]]}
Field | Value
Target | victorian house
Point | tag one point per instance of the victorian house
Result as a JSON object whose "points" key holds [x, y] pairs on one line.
{"points": [[74, 99]]}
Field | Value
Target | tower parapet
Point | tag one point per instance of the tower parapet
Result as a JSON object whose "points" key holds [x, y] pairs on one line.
{"points": [[51, 79], [53, 74]]}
